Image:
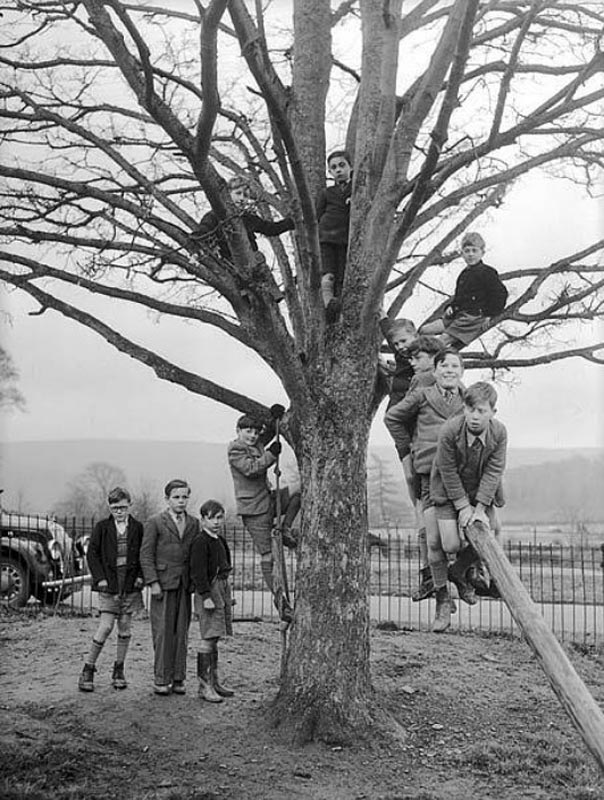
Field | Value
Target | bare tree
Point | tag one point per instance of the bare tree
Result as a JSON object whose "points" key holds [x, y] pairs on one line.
{"points": [[120, 140], [86, 494], [10, 396]]}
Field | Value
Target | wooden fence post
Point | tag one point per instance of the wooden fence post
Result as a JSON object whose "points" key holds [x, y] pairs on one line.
{"points": [[578, 703]]}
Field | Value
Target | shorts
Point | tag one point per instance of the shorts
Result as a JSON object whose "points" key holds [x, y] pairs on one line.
{"points": [[447, 511], [119, 604], [333, 261], [216, 622], [259, 527], [465, 326]]}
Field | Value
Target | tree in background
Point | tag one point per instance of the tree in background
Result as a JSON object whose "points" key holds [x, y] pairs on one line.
{"points": [[387, 504], [10, 396], [122, 123], [86, 494]]}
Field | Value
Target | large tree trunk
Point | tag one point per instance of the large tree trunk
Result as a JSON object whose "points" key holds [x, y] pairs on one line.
{"points": [[326, 688]]}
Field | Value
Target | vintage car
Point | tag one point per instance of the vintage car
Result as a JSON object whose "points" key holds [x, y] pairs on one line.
{"points": [[35, 550]]}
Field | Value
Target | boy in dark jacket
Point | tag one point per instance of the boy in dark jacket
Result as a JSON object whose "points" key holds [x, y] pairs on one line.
{"points": [[210, 568], [465, 483], [479, 295], [113, 557], [333, 214]]}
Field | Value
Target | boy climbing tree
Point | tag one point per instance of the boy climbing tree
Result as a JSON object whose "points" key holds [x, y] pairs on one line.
{"points": [[479, 295], [333, 213]]}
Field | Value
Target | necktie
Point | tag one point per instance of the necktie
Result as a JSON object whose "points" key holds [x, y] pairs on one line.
{"points": [[448, 395]]}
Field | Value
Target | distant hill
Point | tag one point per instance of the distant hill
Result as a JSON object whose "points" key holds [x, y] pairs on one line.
{"points": [[541, 485]]}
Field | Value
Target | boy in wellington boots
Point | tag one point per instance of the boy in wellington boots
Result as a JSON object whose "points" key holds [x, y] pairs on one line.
{"points": [[210, 568]]}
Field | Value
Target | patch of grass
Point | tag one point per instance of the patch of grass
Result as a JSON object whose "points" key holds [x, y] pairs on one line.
{"points": [[62, 771], [542, 761]]}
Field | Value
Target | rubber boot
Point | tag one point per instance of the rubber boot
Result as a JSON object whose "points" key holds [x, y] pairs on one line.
{"points": [[218, 688], [426, 585], [206, 690], [458, 574], [86, 679], [118, 680], [442, 619]]}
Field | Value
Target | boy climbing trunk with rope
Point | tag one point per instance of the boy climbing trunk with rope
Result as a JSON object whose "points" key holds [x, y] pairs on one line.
{"points": [[249, 462]]}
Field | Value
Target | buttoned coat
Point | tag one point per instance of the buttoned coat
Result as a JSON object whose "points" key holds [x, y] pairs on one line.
{"points": [[164, 555], [249, 464], [423, 410], [101, 554], [452, 456]]}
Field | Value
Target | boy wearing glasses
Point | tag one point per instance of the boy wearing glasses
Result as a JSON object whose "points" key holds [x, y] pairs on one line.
{"points": [[114, 562]]}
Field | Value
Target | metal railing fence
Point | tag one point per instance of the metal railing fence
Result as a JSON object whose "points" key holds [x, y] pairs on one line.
{"points": [[566, 581]]}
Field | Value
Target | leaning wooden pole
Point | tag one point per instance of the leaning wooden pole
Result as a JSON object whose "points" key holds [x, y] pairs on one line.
{"points": [[572, 692]]}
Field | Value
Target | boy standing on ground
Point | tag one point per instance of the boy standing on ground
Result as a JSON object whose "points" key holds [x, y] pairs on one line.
{"points": [[165, 561], [210, 568], [249, 463], [466, 480], [333, 214], [113, 558], [479, 295]]}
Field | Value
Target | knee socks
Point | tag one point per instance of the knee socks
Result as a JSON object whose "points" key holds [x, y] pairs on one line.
{"points": [[423, 547], [122, 648], [94, 652], [439, 573], [266, 566]]}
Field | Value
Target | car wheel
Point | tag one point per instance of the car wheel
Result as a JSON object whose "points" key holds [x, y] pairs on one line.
{"points": [[14, 584]]}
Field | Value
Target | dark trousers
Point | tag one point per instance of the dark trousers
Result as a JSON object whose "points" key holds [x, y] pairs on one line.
{"points": [[333, 262], [170, 619]]}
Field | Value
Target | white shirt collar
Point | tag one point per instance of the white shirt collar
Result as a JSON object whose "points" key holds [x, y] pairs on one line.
{"points": [[471, 438]]}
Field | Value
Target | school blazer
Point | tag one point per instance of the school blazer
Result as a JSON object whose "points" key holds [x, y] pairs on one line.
{"points": [[423, 411], [249, 464], [164, 555], [102, 554], [451, 458]]}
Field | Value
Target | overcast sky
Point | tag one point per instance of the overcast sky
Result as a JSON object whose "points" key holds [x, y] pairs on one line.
{"points": [[78, 387]]}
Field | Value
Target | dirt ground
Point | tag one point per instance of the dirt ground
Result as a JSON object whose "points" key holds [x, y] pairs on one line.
{"points": [[481, 722]]}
